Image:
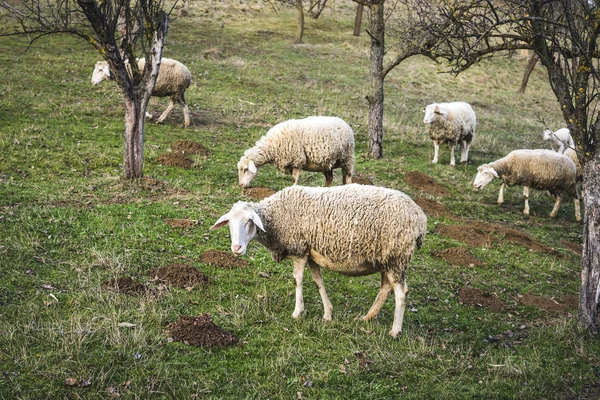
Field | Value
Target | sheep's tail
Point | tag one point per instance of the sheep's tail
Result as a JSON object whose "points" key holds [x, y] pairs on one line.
{"points": [[420, 240]]}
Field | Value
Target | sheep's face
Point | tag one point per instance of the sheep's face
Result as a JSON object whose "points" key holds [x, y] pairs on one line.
{"points": [[246, 171], [485, 174], [243, 222], [101, 72], [433, 112], [547, 134]]}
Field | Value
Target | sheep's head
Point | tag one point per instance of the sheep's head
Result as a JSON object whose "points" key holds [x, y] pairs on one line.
{"points": [[101, 72], [485, 174], [433, 112], [548, 134], [246, 171], [243, 222]]}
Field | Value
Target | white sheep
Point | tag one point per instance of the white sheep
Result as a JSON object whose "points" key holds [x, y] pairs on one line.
{"points": [[572, 154], [172, 81], [538, 169], [452, 123], [559, 140], [352, 229], [317, 144]]}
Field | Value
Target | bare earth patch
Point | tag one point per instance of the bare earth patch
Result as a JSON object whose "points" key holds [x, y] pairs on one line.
{"points": [[361, 180], [469, 234], [180, 223], [125, 285], [258, 193], [567, 302], [425, 183], [457, 256], [433, 208], [175, 160], [574, 247], [189, 147], [480, 298], [222, 259], [201, 331], [180, 275]]}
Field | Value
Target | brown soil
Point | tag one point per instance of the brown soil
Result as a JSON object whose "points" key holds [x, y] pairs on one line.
{"points": [[469, 234], [480, 298], [180, 275], [425, 183], [189, 147], [458, 256], [574, 247], [201, 331], [180, 223], [175, 160], [258, 193], [222, 259], [125, 285], [433, 208], [361, 180], [567, 302]]}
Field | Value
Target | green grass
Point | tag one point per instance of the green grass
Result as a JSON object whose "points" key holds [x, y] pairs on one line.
{"points": [[68, 223]]}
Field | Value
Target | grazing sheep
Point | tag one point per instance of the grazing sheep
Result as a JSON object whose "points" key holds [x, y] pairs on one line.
{"points": [[317, 144], [559, 140], [572, 154], [353, 229], [538, 169], [172, 81], [452, 123]]}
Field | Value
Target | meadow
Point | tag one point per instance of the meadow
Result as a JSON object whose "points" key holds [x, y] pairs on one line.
{"points": [[492, 302]]}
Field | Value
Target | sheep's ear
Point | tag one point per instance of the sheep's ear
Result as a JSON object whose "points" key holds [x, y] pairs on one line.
{"points": [[256, 219], [221, 222], [493, 172], [252, 167], [106, 70]]}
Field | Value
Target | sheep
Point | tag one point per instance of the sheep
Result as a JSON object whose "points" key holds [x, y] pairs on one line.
{"points": [[538, 169], [317, 144], [352, 229], [173, 79], [452, 123], [559, 140], [572, 154]]}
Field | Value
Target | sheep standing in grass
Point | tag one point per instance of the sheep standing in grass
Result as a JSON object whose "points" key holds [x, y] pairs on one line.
{"points": [[172, 81], [559, 140], [317, 144], [452, 123], [538, 169], [353, 229], [572, 154]]}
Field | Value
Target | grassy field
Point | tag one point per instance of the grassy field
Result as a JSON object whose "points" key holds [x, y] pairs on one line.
{"points": [[497, 321]]}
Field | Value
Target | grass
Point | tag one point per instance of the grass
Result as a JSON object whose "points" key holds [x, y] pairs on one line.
{"points": [[68, 223]]}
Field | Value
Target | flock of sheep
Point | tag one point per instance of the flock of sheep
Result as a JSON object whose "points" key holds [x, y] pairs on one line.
{"points": [[358, 229]]}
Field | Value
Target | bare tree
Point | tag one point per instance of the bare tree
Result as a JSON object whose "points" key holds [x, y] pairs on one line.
{"points": [[358, 19], [314, 8], [121, 30]]}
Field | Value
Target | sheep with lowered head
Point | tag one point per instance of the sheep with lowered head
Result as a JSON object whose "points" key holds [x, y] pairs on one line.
{"points": [[452, 123], [559, 140], [317, 144], [537, 169], [352, 229], [172, 81]]}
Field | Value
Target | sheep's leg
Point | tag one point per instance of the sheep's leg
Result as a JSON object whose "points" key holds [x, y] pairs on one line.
{"points": [[436, 151], [299, 263], [577, 210], [380, 299], [315, 270], [556, 206], [328, 178], [452, 161], [166, 112], [501, 193], [464, 152], [400, 290], [296, 175], [346, 176], [186, 112], [526, 197]]}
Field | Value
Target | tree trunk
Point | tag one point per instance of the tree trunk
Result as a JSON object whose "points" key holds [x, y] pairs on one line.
{"points": [[358, 19], [376, 76], [589, 292], [133, 138], [300, 33], [530, 66]]}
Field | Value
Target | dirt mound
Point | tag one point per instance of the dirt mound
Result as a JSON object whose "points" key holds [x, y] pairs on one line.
{"points": [[180, 275], [425, 183], [125, 285], [567, 302], [361, 180], [222, 259], [480, 298], [574, 247], [175, 160], [457, 256], [180, 223], [201, 331], [515, 236], [433, 208], [469, 234], [189, 147], [258, 193]]}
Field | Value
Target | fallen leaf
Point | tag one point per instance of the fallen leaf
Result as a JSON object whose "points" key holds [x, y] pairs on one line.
{"points": [[126, 325], [71, 382]]}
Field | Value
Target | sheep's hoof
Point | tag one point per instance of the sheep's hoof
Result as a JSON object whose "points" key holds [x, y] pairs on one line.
{"points": [[297, 315], [326, 318], [394, 334]]}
